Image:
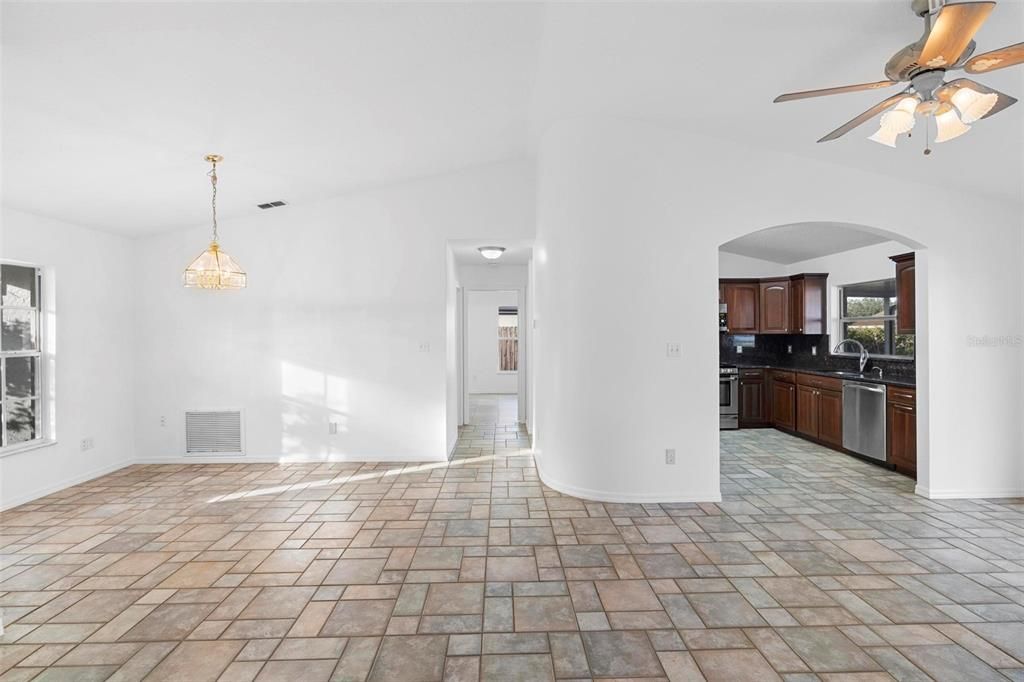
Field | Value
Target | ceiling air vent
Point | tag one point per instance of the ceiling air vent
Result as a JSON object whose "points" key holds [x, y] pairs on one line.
{"points": [[271, 204], [213, 432]]}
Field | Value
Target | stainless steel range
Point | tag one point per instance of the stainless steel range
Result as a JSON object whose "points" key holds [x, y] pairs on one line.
{"points": [[728, 397]]}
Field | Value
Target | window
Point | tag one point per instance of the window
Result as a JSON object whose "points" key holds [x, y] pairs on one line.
{"points": [[20, 355], [508, 339], [868, 314]]}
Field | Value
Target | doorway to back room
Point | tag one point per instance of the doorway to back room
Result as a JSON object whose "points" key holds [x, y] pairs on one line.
{"points": [[491, 357]]}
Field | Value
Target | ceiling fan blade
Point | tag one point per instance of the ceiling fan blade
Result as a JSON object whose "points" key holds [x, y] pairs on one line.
{"points": [[952, 33], [946, 92], [863, 118], [1011, 55], [790, 96]]}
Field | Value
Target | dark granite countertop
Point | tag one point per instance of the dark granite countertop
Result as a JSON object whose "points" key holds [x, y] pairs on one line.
{"points": [[872, 379]]}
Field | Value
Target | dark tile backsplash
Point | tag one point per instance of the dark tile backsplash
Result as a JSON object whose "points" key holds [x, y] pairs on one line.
{"points": [[771, 349]]}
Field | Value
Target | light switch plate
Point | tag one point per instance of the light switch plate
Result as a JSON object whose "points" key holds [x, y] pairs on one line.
{"points": [[673, 350], [424, 347], [670, 456]]}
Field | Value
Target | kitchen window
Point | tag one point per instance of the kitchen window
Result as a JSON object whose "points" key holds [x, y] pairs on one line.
{"points": [[21, 419], [868, 315], [508, 339]]}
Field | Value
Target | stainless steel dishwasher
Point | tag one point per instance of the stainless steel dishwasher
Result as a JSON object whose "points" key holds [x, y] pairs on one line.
{"points": [[864, 419]]}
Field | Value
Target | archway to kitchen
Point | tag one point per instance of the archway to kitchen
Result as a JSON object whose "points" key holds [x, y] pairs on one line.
{"points": [[821, 338]]}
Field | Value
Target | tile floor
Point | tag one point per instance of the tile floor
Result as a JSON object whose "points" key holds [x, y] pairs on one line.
{"points": [[492, 409], [815, 566]]}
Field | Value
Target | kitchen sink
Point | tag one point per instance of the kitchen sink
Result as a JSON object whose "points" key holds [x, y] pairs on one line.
{"points": [[852, 375]]}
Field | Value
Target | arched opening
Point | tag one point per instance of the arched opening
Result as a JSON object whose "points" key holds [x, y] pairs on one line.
{"points": [[823, 346]]}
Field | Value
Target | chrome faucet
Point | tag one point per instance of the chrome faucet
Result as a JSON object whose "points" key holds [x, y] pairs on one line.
{"points": [[863, 351], [879, 371]]}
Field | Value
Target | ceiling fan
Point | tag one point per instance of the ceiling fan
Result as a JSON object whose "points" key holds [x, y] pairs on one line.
{"points": [[947, 45]]}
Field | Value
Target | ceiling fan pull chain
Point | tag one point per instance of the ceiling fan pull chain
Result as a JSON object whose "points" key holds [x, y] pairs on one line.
{"points": [[927, 136]]}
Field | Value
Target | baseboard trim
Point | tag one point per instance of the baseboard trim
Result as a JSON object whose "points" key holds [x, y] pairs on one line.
{"points": [[8, 504], [245, 459], [624, 498], [967, 494]]}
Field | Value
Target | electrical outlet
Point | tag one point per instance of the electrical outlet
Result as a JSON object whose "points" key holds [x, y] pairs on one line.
{"points": [[332, 428], [789, 349], [424, 347], [814, 350], [739, 350], [87, 444], [670, 456], [673, 350], [163, 421]]}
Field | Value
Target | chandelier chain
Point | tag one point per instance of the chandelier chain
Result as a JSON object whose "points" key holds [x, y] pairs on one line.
{"points": [[213, 199]]}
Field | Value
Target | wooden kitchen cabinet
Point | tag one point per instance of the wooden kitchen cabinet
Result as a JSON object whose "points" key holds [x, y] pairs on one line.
{"points": [[753, 399], [775, 304], [830, 418], [783, 401], [819, 408], [780, 305], [901, 427], [742, 301], [906, 290], [807, 411], [808, 303]]}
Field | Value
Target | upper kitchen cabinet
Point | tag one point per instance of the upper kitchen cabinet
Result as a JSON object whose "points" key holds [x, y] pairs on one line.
{"points": [[775, 304], [905, 293], [808, 313], [741, 300]]}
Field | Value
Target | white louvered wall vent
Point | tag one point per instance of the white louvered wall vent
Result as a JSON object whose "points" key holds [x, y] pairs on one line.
{"points": [[214, 432]]}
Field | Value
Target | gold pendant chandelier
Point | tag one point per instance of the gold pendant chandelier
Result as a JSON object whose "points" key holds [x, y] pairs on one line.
{"points": [[214, 269]]}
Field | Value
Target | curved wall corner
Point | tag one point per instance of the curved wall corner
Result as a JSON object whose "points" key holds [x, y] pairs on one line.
{"points": [[609, 275]]}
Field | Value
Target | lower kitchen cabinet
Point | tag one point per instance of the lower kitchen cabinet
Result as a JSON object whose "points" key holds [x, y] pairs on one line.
{"points": [[901, 426], [753, 399], [819, 411], [807, 411], [783, 401], [830, 418]]}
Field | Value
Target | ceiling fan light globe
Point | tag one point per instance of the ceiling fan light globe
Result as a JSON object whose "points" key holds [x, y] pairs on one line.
{"points": [[973, 105], [949, 126], [885, 136], [898, 121]]}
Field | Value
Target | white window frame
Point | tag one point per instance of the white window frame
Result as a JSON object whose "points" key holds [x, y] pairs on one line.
{"points": [[840, 320], [42, 436]]}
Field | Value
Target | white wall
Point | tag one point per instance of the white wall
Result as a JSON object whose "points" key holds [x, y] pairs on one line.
{"points": [[88, 284], [341, 296], [630, 218], [452, 353], [482, 345]]}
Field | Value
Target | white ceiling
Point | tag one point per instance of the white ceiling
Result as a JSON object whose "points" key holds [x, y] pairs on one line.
{"points": [[109, 108], [787, 244]]}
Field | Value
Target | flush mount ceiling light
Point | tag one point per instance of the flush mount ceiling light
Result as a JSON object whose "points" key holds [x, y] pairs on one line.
{"points": [[947, 45], [214, 269], [491, 252]]}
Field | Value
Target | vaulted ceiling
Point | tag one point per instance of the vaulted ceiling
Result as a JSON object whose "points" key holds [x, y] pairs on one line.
{"points": [[109, 108]]}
